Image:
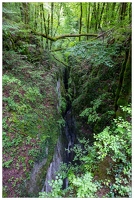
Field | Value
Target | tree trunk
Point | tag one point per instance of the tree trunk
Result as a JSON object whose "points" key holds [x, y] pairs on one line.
{"points": [[35, 18], [80, 27], [124, 88], [113, 10], [95, 17], [48, 25], [123, 11], [41, 24], [88, 19], [25, 12], [64, 36], [101, 14], [130, 12], [52, 11], [59, 12], [44, 21]]}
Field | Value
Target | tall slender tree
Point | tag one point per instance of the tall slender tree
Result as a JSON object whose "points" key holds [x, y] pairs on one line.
{"points": [[88, 18], [80, 23], [123, 8], [52, 17], [25, 12]]}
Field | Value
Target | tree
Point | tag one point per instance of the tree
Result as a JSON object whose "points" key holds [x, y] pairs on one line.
{"points": [[124, 88], [88, 18], [25, 12], [52, 16], [123, 8], [80, 26]]}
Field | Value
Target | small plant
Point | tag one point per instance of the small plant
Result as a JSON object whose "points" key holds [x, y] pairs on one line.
{"points": [[56, 188], [7, 163], [33, 152], [91, 112], [31, 162], [9, 79], [61, 122], [85, 188], [17, 166], [115, 141]]}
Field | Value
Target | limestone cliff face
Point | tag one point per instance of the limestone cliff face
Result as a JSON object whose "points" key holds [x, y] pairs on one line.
{"points": [[33, 186], [42, 173], [58, 157], [45, 170]]}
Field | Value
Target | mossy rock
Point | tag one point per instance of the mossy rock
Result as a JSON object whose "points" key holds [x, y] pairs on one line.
{"points": [[103, 166]]}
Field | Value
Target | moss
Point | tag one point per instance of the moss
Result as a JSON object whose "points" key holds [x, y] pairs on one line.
{"points": [[4, 192], [103, 166], [125, 91]]}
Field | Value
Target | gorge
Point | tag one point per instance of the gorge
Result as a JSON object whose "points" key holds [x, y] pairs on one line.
{"points": [[66, 100]]}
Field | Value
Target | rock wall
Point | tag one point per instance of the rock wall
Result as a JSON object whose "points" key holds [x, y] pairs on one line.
{"points": [[59, 156]]}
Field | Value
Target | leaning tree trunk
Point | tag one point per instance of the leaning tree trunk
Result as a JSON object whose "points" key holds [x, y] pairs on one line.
{"points": [[123, 93]]}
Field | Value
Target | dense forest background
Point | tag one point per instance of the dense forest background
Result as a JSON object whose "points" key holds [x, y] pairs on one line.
{"points": [[59, 57]]}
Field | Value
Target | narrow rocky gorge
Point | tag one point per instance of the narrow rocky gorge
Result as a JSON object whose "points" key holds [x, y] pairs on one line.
{"points": [[65, 143]]}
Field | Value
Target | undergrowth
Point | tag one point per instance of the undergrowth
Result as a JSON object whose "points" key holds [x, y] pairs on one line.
{"points": [[105, 166], [30, 120]]}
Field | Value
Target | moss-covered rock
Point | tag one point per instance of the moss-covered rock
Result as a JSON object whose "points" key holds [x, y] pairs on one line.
{"points": [[124, 96]]}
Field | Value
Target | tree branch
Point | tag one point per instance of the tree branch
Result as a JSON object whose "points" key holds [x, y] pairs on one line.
{"points": [[59, 60], [63, 36]]}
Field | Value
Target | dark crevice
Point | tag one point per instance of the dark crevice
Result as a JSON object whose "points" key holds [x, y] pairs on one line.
{"points": [[69, 129]]}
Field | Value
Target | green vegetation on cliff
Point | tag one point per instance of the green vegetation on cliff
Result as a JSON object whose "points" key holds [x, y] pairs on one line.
{"points": [[67, 55]]}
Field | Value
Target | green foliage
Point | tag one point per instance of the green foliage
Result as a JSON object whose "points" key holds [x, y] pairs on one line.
{"points": [[89, 79], [30, 121], [63, 104], [115, 141], [81, 182], [95, 52], [84, 186], [79, 187], [61, 122], [10, 79], [91, 113], [7, 163], [56, 188]]}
